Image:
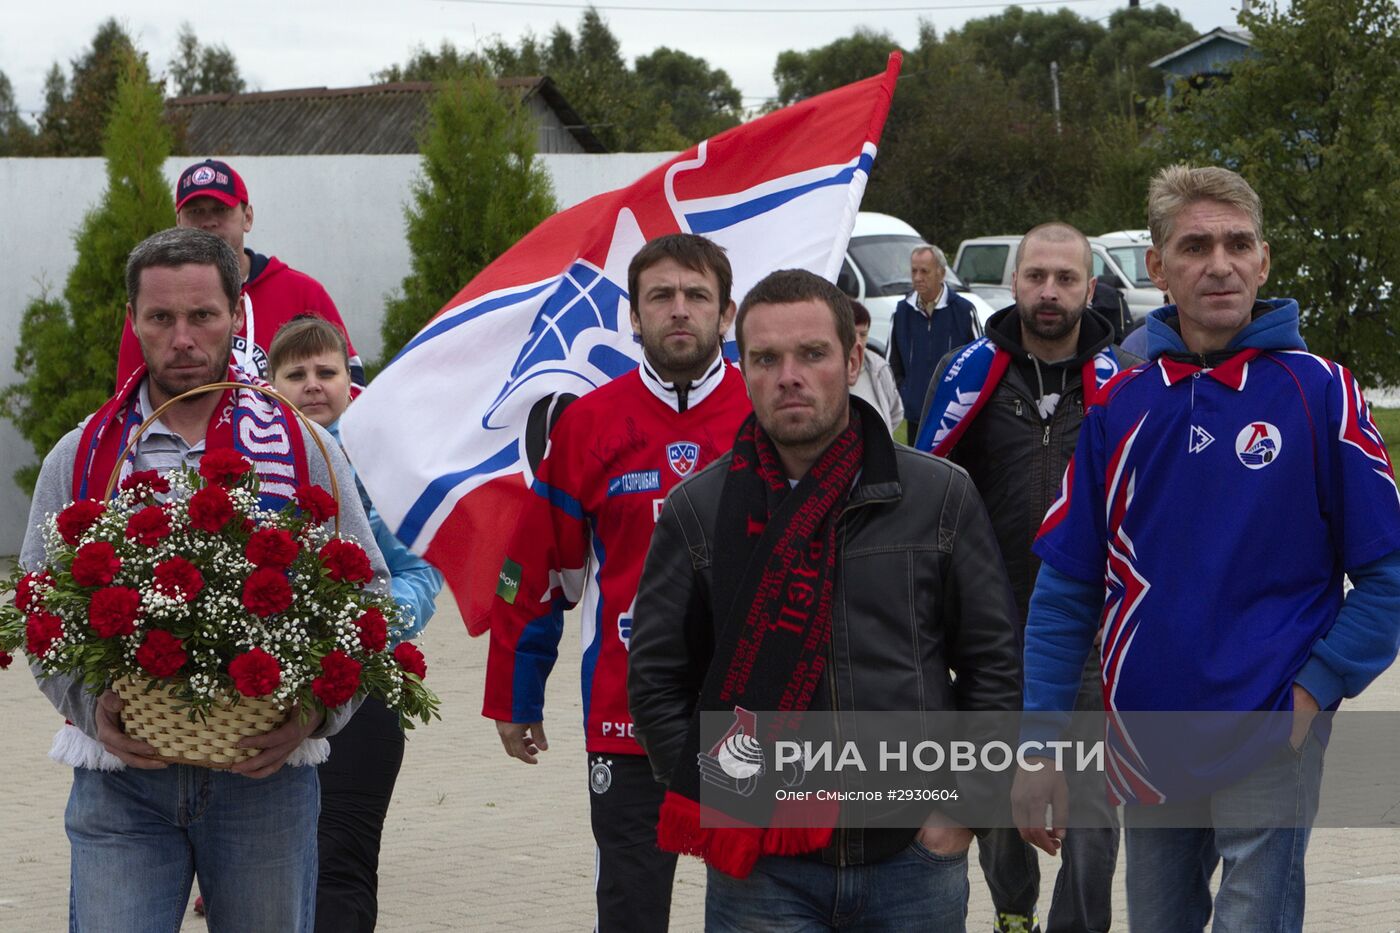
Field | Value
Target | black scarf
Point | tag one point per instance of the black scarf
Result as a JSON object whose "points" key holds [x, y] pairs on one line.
{"points": [[774, 577]]}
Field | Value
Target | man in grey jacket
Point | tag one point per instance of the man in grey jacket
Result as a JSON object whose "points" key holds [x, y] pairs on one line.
{"points": [[140, 828]]}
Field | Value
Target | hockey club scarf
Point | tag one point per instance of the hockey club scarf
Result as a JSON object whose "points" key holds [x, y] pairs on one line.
{"points": [[969, 382], [251, 423], [774, 575]]}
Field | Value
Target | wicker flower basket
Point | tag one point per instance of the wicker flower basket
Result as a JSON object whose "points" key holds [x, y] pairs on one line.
{"points": [[155, 716]]}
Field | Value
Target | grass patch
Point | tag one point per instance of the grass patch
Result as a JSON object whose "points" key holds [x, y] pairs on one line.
{"points": [[1388, 420]]}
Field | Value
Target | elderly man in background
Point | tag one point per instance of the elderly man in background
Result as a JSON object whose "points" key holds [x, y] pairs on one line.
{"points": [[929, 322]]}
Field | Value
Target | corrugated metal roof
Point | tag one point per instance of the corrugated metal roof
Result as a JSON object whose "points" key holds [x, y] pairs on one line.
{"points": [[374, 119]]}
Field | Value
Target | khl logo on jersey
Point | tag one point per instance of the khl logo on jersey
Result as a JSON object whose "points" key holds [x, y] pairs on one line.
{"points": [[682, 455], [1258, 445]]}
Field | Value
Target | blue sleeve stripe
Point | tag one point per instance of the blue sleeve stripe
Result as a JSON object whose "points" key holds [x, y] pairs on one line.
{"points": [[559, 499], [535, 654]]}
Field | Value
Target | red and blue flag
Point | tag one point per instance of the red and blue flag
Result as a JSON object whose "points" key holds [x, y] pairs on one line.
{"points": [[446, 438]]}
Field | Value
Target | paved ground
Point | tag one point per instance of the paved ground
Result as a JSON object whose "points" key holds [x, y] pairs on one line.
{"points": [[477, 841]]}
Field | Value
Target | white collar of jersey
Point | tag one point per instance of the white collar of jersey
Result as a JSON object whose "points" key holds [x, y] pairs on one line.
{"points": [[700, 389]]}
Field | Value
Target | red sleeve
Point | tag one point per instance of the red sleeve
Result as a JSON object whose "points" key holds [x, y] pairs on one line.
{"points": [[543, 574]]}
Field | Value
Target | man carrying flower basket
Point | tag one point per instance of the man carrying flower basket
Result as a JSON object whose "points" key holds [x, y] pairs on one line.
{"points": [[202, 599]]}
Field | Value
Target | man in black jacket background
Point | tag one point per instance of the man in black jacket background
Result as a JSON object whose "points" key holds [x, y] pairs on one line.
{"points": [[1019, 440], [901, 586]]}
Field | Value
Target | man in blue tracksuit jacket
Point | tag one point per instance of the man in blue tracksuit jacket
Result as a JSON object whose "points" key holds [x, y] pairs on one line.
{"points": [[929, 322], [1216, 497]]}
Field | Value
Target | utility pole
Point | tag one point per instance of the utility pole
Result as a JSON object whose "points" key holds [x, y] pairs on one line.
{"points": [[1055, 90]]}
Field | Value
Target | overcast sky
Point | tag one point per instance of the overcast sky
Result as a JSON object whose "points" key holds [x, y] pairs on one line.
{"points": [[339, 43]]}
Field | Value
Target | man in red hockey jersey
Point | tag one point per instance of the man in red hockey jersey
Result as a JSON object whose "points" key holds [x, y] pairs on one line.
{"points": [[613, 455], [212, 197]]}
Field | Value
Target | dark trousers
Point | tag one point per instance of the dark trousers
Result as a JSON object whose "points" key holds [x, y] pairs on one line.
{"points": [[913, 434], [633, 876], [357, 782], [1082, 902]]}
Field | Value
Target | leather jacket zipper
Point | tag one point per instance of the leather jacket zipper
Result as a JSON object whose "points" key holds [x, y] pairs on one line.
{"points": [[842, 854]]}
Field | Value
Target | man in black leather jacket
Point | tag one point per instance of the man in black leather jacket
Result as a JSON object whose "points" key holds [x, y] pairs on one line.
{"points": [[921, 617], [1016, 449]]}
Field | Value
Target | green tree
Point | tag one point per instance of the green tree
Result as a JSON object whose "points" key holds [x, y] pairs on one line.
{"points": [[1312, 120], [67, 352], [16, 137], [1136, 37], [803, 74], [1120, 167], [668, 101], [76, 108], [480, 191], [203, 69], [963, 154], [702, 100], [594, 78], [425, 64], [53, 119]]}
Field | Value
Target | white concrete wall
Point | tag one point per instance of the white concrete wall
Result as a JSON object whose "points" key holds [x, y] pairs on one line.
{"points": [[337, 218]]}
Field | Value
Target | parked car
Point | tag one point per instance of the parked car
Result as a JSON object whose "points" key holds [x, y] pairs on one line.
{"points": [[876, 272], [986, 264], [1128, 248]]}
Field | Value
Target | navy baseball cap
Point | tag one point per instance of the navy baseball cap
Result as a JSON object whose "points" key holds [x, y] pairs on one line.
{"points": [[210, 179]]}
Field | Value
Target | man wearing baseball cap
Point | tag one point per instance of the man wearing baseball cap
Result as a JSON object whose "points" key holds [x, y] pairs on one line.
{"points": [[211, 196]]}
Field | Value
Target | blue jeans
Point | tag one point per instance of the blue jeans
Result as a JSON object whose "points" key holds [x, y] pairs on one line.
{"points": [[1083, 896], [914, 890], [1258, 828], [139, 838]]}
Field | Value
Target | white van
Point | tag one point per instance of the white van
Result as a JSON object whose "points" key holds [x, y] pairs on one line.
{"points": [[1128, 249], [986, 263], [876, 272]]}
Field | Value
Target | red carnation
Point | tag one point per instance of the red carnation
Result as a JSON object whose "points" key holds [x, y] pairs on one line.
{"points": [[95, 564], [149, 480], [346, 562], [5, 660], [317, 503], [255, 673], [78, 518], [223, 467], [42, 629], [210, 509], [161, 654], [148, 526], [266, 591], [272, 547], [26, 595], [178, 576], [113, 611], [374, 629], [340, 678], [411, 659]]}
